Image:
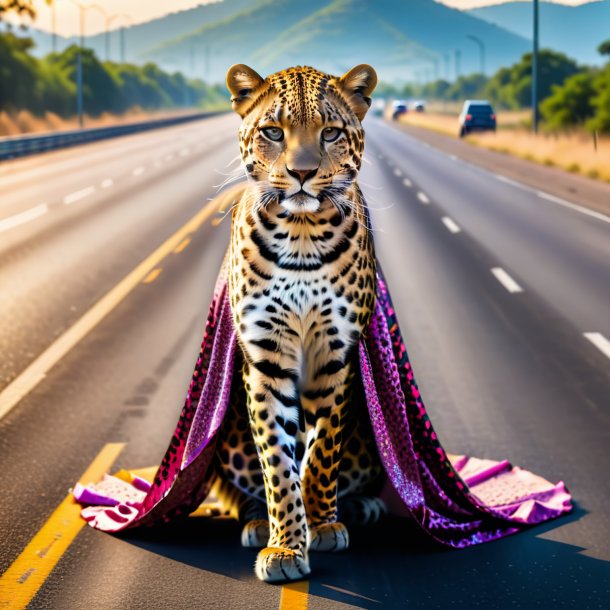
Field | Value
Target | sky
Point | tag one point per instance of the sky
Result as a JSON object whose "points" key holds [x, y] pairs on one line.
{"points": [[144, 10]]}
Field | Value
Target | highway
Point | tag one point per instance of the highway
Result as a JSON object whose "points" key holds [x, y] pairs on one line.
{"points": [[503, 296]]}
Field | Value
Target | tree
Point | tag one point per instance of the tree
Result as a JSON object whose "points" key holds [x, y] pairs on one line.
{"points": [[604, 48], [601, 102], [512, 87], [571, 103], [21, 7]]}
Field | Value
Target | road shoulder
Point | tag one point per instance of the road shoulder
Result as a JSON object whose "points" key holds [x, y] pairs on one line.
{"points": [[586, 192]]}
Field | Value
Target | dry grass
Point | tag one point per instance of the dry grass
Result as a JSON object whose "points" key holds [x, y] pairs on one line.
{"points": [[24, 122], [573, 152]]}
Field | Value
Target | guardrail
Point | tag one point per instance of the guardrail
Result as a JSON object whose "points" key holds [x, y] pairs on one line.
{"points": [[19, 146]]}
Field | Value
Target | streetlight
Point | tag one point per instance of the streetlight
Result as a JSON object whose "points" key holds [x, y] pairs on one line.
{"points": [[535, 72], [109, 20], [83, 8], [478, 41]]}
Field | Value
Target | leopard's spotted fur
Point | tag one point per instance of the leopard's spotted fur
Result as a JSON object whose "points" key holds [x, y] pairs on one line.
{"points": [[302, 288]]}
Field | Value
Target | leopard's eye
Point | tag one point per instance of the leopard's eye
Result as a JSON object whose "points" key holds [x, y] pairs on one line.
{"points": [[275, 134], [330, 134]]}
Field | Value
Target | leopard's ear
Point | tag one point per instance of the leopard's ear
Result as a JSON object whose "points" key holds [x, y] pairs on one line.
{"points": [[358, 84], [242, 82]]}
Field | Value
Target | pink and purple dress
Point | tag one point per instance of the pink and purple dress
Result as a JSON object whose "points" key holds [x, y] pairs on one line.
{"points": [[458, 500]]}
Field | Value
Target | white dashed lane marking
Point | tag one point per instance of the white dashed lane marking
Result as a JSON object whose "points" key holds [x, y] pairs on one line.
{"points": [[78, 195], [23, 217], [600, 342], [452, 226], [423, 197], [397, 172], [407, 182], [506, 280], [138, 171], [107, 183]]}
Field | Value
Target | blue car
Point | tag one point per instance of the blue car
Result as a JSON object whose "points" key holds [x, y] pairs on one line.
{"points": [[477, 115]]}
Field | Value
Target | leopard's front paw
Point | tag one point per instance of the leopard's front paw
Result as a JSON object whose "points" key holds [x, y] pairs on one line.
{"points": [[255, 534], [277, 564], [329, 537]]}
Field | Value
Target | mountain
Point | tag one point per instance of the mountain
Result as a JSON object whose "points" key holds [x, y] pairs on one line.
{"points": [[403, 40], [142, 37], [573, 30]]}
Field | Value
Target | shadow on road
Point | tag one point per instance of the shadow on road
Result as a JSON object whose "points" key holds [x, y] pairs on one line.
{"points": [[395, 565]]}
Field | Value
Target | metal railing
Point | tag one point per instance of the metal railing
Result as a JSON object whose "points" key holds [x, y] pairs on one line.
{"points": [[19, 146]]}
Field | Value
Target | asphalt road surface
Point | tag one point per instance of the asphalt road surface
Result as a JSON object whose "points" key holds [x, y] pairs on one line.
{"points": [[503, 296]]}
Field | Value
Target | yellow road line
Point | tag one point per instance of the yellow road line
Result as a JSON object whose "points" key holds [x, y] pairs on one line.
{"points": [[20, 583], [183, 244], [294, 596], [152, 276], [38, 369]]}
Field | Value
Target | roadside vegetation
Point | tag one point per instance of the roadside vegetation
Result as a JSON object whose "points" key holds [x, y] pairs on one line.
{"points": [[574, 111], [45, 89]]}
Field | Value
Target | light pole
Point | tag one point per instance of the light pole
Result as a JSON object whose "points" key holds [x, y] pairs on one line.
{"points": [[83, 8], [479, 42], [458, 56], [109, 20], [535, 71]]}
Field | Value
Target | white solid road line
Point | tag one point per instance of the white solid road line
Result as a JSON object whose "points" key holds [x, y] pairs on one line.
{"points": [[397, 172], [542, 194], [407, 183], [600, 342], [423, 197], [78, 195], [450, 224], [138, 171], [573, 206], [506, 280], [37, 370], [107, 183], [23, 217]]}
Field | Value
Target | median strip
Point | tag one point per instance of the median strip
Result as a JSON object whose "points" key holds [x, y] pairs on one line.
{"points": [[28, 572], [506, 280], [38, 369], [23, 217]]}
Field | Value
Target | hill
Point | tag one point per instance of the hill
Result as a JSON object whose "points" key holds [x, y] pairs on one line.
{"points": [[573, 30], [403, 40], [142, 37]]}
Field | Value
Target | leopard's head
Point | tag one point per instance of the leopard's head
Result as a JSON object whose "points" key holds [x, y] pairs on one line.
{"points": [[301, 138]]}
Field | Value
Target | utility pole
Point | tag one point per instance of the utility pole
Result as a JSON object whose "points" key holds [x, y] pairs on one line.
{"points": [[535, 115], [458, 56], [123, 45], [53, 28], [79, 88], [447, 65], [479, 42]]}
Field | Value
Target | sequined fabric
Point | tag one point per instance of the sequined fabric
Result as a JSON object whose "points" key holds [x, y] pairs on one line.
{"points": [[458, 500]]}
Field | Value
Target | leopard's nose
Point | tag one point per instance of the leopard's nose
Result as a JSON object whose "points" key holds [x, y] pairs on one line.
{"points": [[302, 175]]}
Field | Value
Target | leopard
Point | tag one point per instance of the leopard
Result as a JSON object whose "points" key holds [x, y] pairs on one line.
{"points": [[296, 459]]}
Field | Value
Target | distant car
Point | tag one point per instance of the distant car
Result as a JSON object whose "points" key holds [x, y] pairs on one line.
{"points": [[477, 115], [399, 108], [419, 106]]}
